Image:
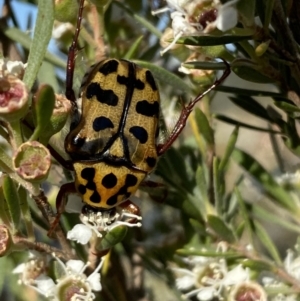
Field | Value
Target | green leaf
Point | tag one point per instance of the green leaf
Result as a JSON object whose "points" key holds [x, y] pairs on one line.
{"points": [[204, 65], [218, 185], [41, 38], [113, 237], [287, 107], [242, 124], [229, 149], [25, 40], [246, 9], [220, 228], [13, 202], [247, 92], [250, 74], [43, 107], [258, 265], [143, 21], [268, 14], [244, 215], [251, 106], [202, 183], [234, 36], [165, 76], [267, 182], [204, 127], [267, 242], [131, 52], [207, 253]]}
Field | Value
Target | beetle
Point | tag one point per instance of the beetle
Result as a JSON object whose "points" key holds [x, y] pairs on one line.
{"points": [[112, 141]]}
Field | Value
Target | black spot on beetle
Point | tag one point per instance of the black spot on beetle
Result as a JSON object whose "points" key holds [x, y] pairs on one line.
{"points": [[109, 181], [91, 185], [151, 161], [139, 133], [112, 200], [88, 173], [150, 80], [104, 96], [109, 67], [145, 108], [95, 197], [131, 180], [81, 189], [130, 82], [102, 123]]}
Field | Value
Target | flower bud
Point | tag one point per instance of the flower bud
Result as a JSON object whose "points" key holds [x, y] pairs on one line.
{"points": [[65, 10], [248, 291], [32, 161], [262, 48], [5, 240], [13, 98]]}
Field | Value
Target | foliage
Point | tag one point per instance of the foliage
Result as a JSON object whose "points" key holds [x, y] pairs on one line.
{"points": [[224, 219]]}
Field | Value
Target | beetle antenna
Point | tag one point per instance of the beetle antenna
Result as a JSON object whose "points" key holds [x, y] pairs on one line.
{"points": [[71, 58]]}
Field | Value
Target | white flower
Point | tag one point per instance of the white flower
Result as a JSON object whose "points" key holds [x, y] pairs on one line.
{"points": [[292, 264], [15, 68], [71, 284], [33, 268], [61, 29], [101, 221], [209, 277], [227, 16], [199, 17], [80, 233]]}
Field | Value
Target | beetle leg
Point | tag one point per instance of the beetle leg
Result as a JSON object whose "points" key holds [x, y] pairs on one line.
{"points": [[186, 111], [71, 58], [130, 208], [61, 200]]}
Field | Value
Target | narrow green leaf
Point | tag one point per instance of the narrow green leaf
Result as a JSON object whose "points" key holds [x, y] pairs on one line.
{"points": [[113, 237], [43, 107], [207, 253], [212, 40], [13, 202], [247, 92], [268, 216], [26, 213], [229, 149], [242, 124], [41, 38], [247, 10], [288, 108], [266, 181], [165, 76], [133, 49], [258, 265], [251, 106], [267, 242], [25, 40], [218, 186], [204, 65], [244, 215], [251, 75], [268, 14], [220, 228], [202, 182], [140, 19], [204, 127]]}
